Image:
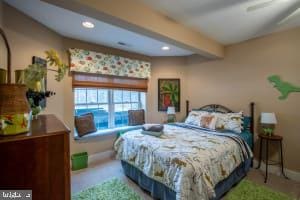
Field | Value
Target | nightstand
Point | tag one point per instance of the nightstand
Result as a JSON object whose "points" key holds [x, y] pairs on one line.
{"points": [[267, 139]]}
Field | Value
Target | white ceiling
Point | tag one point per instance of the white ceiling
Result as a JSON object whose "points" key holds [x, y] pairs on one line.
{"points": [[68, 24], [228, 21]]}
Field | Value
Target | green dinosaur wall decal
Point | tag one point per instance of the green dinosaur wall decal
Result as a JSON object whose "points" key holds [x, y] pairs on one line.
{"points": [[285, 88]]}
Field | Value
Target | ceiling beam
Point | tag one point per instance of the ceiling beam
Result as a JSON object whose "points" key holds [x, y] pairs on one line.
{"points": [[135, 16]]}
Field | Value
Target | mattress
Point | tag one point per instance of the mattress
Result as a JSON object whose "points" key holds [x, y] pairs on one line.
{"points": [[159, 191]]}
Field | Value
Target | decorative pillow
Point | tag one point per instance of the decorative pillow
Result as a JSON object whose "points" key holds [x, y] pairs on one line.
{"points": [[85, 124], [136, 117], [194, 117], [208, 121], [229, 121]]}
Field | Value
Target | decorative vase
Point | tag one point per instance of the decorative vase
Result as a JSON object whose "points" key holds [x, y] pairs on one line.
{"points": [[15, 113], [39, 87], [35, 111]]}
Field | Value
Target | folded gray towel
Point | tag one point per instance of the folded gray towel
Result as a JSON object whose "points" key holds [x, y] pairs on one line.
{"points": [[152, 133], [153, 127]]}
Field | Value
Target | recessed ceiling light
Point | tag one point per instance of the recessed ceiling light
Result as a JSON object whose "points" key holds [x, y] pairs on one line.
{"points": [[165, 48], [88, 24]]}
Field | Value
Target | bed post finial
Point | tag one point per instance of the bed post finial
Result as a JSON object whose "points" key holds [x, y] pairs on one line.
{"points": [[252, 104], [252, 116], [187, 105]]}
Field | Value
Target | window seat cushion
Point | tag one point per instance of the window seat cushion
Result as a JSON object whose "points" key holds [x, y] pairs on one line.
{"points": [[102, 134]]}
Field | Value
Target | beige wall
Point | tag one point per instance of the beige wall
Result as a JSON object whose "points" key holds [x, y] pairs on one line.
{"points": [[242, 77], [165, 67], [1, 14], [234, 81], [3, 53], [28, 38], [104, 143]]}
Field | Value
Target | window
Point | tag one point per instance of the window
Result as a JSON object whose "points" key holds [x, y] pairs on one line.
{"points": [[110, 107]]}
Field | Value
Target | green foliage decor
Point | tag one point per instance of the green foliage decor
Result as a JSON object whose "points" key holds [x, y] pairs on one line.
{"points": [[54, 60], [173, 90], [35, 74]]}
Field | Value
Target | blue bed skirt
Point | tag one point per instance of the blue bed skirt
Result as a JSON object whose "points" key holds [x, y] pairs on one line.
{"points": [[160, 191]]}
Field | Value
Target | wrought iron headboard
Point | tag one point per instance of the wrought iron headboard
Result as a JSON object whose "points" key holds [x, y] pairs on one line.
{"points": [[223, 109], [215, 108]]}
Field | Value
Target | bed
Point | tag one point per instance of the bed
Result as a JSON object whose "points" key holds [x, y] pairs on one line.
{"points": [[187, 162]]}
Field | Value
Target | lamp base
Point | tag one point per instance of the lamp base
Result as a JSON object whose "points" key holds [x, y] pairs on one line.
{"points": [[268, 131], [171, 118]]}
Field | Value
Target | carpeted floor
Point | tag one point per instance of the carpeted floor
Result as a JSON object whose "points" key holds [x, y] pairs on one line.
{"points": [[106, 170], [113, 189], [248, 190]]}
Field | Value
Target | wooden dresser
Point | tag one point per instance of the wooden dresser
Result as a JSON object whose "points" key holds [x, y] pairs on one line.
{"points": [[38, 160]]}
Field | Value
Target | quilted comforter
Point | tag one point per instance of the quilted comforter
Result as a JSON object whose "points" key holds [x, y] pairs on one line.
{"points": [[186, 159]]}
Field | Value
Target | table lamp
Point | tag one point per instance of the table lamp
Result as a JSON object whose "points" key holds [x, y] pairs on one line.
{"points": [[268, 121], [171, 114]]}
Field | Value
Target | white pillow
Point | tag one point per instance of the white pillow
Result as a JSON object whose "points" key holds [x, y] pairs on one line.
{"points": [[229, 121], [194, 117]]}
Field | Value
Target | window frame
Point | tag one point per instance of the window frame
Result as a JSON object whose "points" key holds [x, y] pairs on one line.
{"points": [[110, 103]]}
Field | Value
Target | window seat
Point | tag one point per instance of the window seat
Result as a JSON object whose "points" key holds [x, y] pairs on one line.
{"points": [[103, 134]]}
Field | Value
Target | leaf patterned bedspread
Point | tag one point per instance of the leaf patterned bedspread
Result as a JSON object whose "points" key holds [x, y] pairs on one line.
{"points": [[188, 160]]}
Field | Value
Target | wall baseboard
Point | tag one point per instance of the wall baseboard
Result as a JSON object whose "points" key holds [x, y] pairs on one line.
{"points": [[293, 175], [102, 156]]}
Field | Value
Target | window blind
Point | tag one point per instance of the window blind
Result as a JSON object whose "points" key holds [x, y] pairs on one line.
{"points": [[83, 80]]}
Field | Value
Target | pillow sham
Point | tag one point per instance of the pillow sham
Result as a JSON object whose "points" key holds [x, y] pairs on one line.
{"points": [[194, 117], [208, 121], [229, 122]]}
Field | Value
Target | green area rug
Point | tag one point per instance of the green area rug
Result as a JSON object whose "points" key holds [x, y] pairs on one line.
{"points": [[247, 190], [110, 190]]}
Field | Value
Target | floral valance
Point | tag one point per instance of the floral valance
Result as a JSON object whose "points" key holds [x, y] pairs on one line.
{"points": [[99, 63]]}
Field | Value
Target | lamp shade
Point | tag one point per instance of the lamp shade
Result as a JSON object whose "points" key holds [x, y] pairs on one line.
{"points": [[268, 118], [171, 111]]}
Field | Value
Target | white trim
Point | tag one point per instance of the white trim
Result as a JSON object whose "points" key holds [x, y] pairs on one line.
{"points": [[110, 103], [101, 156], [101, 134], [293, 175], [111, 109]]}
